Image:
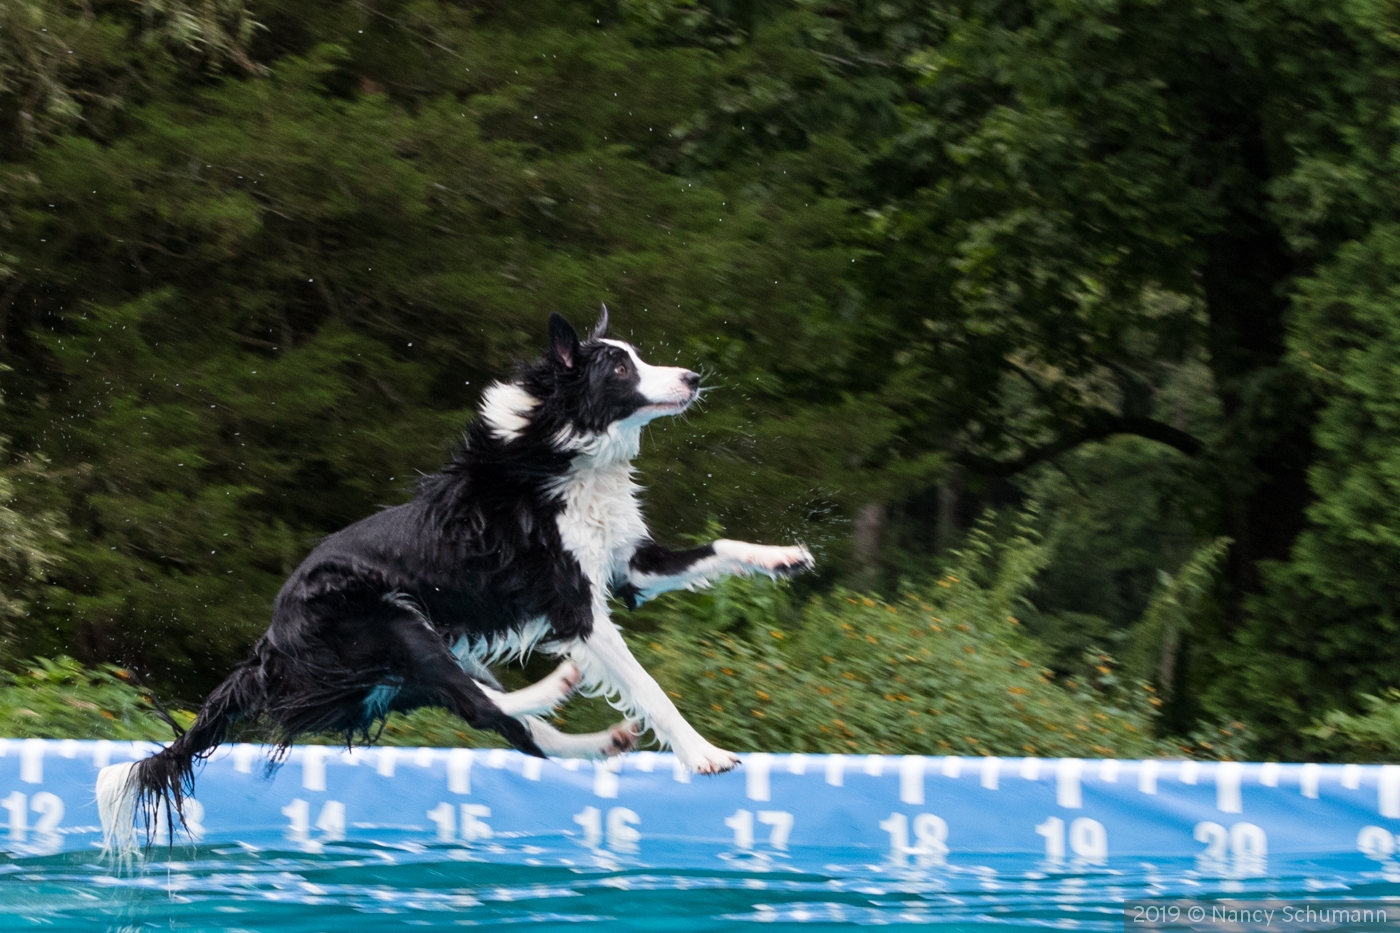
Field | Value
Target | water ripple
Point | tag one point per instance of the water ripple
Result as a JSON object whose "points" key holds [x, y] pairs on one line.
{"points": [[352, 888]]}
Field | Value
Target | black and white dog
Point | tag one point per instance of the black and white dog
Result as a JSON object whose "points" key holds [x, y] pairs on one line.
{"points": [[514, 545]]}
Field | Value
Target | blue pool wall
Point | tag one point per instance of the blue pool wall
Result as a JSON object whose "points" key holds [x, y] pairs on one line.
{"points": [[892, 808]]}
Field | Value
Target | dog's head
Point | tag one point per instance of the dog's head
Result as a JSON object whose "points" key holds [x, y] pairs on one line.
{"points": [[585, 388]]}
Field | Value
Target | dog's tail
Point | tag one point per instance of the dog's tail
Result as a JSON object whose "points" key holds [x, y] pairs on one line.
{"points": [[131, 795]]}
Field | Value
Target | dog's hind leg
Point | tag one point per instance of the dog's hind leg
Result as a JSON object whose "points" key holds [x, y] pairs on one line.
{"points": [[529, 703], [126, 792], [538, 698], [615, 740], [425, 661]]}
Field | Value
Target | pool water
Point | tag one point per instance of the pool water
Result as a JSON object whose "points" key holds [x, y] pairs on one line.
{"points": [[354, 887], [382, 839]]}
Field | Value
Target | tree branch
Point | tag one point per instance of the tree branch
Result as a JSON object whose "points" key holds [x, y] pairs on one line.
{"points": [[1096, 428]]}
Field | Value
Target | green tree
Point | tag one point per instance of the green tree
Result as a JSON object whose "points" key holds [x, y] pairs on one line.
{"points": [[249, 306], [1321, 635], [260, 260], [1087, 205]]}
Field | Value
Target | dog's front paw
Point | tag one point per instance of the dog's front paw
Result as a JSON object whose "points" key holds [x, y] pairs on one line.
{"points": [[795, 559], [762, 558], [710, 760]]}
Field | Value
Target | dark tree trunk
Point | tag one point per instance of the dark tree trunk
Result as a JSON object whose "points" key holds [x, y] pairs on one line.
{"points": [[865, 540], [949, 501], [1266, 445]]}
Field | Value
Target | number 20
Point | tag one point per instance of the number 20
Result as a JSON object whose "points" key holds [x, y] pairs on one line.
{"points": [[1246, 841]]}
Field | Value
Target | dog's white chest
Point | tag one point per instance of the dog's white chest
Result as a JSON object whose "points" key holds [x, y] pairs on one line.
{"points": [[601, 523]]}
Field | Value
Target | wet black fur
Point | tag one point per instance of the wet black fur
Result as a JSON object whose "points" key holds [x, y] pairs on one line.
{"points": [[475, 553]]}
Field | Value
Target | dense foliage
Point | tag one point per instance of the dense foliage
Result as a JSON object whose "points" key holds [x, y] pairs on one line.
{"points": [[1371, 735], [62, 699], [1136, 260], [945, 669]]}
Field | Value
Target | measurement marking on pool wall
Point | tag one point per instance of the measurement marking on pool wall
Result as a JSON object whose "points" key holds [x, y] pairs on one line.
{"points": [[1248, 846], [621, 835], [930, 832], [474, 825], [742, 824], [1229, 818], [1088, 839], [331, 821], [49, 807]]}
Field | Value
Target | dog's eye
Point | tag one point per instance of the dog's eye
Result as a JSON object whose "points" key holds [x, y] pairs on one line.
{"points": [[621, 369]]}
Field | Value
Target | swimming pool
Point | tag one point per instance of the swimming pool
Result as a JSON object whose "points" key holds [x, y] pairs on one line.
{"points": [[349, 889], [394, 838]]}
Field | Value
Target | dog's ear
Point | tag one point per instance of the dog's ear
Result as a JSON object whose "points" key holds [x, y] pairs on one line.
{"points": [[600, 330], [563, 340]]}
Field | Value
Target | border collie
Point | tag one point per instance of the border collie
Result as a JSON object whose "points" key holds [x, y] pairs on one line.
{"points": [[516, 544]]}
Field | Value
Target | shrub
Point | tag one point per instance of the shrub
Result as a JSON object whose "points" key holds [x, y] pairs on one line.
{"points": [[63, 699], [945, 669], [1373, 735]]}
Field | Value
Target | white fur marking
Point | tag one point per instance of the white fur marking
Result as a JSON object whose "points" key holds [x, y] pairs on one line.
{"points": [[506, 407], [761, 558], [566, 440], [601, 524], [662, 386], [116, 808], [514, 644]]}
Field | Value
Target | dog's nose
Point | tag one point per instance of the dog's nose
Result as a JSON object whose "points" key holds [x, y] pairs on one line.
{"points": [[691, 380]]}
